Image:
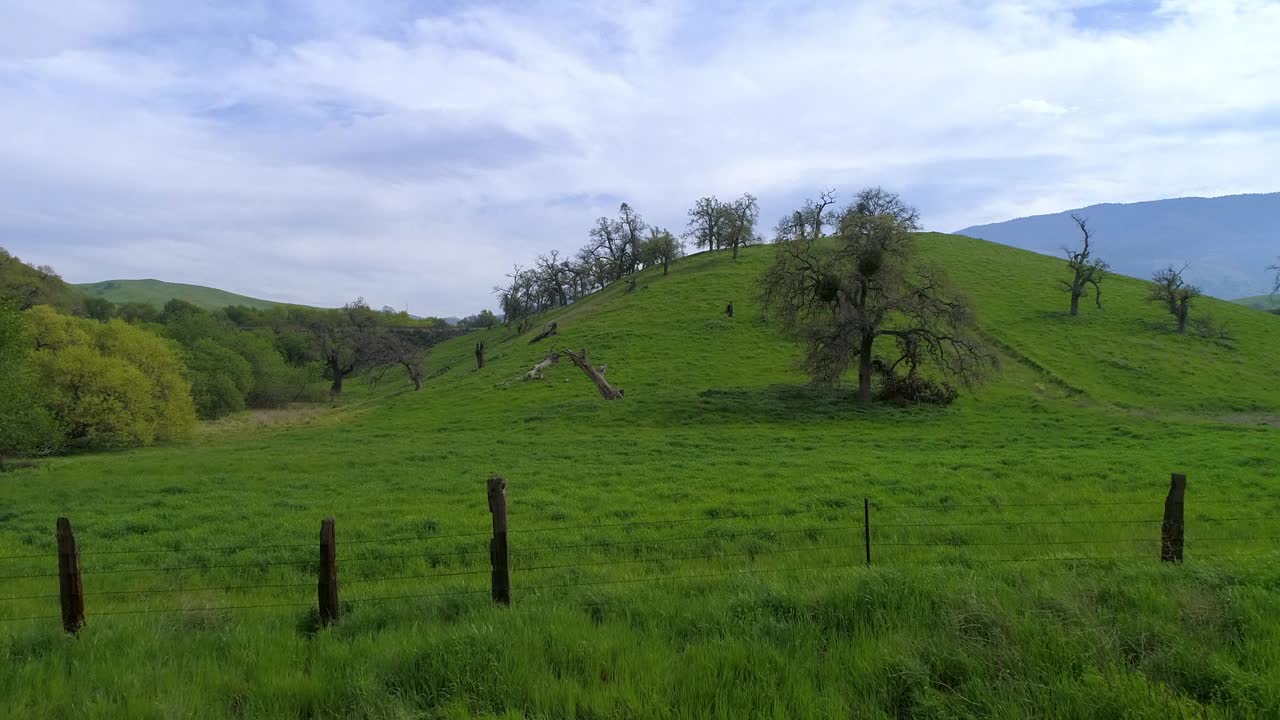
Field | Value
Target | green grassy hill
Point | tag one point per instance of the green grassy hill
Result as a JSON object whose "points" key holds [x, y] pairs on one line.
{"points": [[24, 285], [1261, 302], [696, 548], [158, 292]]}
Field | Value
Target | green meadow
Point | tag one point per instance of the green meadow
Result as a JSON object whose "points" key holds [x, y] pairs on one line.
{"points": [[695, 549]]}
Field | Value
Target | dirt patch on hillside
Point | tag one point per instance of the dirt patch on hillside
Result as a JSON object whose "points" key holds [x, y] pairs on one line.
{"points": [[1252, 419]]}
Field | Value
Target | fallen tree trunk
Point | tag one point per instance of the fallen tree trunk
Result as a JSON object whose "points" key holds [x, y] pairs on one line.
{"points": [[550, 330], [536, 373], [596, 375]]}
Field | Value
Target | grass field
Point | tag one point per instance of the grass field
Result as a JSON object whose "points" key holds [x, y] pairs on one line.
{"points": [[159, 292], [1015, 534]]}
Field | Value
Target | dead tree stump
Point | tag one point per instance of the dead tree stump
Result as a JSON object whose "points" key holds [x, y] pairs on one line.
{"points": [[550, 330], [597, 375]]}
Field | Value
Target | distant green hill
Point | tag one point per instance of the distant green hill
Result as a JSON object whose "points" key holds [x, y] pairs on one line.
{"points": [[1261, 302], [158, 292]]}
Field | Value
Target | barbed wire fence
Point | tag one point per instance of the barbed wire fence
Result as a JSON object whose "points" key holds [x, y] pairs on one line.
{"points": [[886, 534]]}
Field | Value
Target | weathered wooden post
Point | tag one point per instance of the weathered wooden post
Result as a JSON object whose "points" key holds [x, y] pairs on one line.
{"points": [[866, 527], [479, 356], [498, 546], [328, 586], [70, 591], [1172, 529]]}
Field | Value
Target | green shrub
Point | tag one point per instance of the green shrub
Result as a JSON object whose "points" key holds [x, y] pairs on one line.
{"points": [[109, 384], [220, 378], [25, 423]]}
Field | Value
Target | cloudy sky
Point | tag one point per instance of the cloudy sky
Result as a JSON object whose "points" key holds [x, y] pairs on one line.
{"points": [[408, 152]]}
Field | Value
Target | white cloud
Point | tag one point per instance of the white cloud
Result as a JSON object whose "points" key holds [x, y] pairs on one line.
{"points": [[1037, 107], [411, 157]]}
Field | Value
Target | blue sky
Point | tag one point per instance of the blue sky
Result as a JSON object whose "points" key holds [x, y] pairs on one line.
{"points": [[410, 152]]}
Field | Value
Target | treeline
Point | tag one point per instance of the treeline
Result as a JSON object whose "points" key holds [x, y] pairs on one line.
{"points": [[84, 373], [619, 247]]}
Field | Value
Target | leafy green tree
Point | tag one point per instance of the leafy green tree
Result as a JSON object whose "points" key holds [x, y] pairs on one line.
{"points": [[110, 384], [161, 363], [136, 313], [103, 401], [661, 248], [220, 379], [275, 383], [100, 309], [840, 298], [482, 319], [345, 340], [25, 423]]}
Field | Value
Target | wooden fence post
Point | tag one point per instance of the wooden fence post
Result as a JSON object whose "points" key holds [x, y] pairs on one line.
{"points": [[866, 526], [70, 591], [1172, 529], [498, 546], [328, 586]]}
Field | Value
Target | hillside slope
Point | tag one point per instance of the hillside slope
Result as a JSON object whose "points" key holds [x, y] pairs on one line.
{"points": [[671, 334], [25, 285], [1225, 240], [159, 292]]}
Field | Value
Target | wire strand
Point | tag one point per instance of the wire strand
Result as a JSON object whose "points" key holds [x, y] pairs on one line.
{"points": [[691, 557]]}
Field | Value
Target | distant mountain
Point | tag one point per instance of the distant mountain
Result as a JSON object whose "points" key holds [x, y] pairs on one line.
{"points": [[158, 292], [1227, 241], [1261, 302]]}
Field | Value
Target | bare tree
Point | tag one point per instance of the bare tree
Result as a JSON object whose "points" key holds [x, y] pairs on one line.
{"points": [[395, 348], [1275, 287], [554, 280], [739, 222], [632, 228], [1174, 293], [1086, 270], [609, 240], [810, 221], [706, 223], [816, 215], [840, 299], [874, 201]]}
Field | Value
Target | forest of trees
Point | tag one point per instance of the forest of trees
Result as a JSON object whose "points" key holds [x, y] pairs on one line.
{"points": [[85, 373]]}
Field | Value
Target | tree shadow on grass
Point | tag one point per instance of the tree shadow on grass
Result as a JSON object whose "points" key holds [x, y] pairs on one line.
{"points": [[774, 404]]}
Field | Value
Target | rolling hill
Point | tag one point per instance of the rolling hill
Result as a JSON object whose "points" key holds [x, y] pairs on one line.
{"points": [[1227, 241], [158, 292], [696, 548], [1261, 302]]}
